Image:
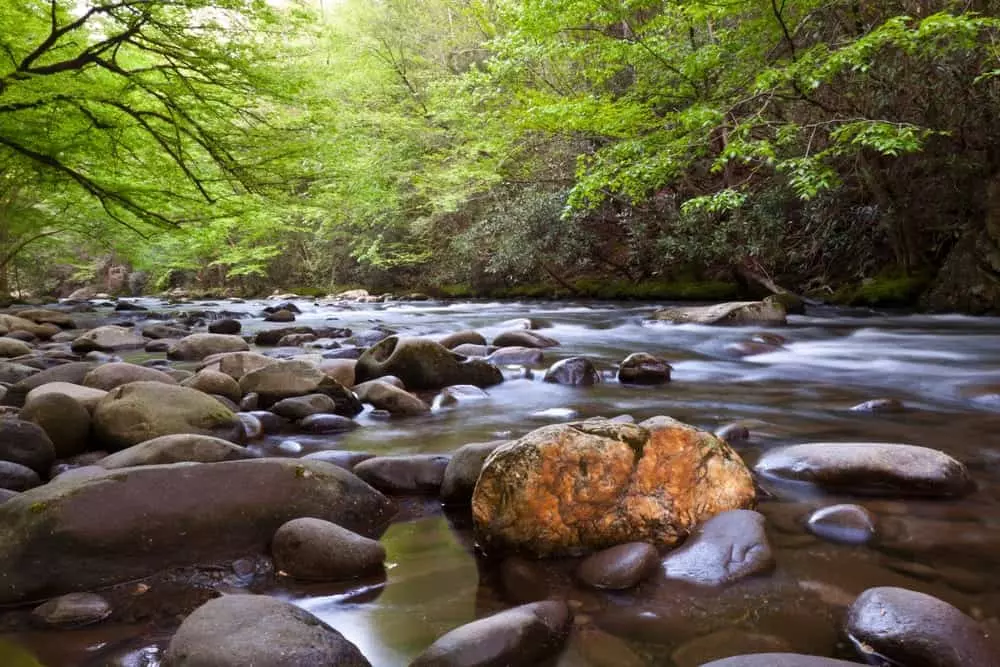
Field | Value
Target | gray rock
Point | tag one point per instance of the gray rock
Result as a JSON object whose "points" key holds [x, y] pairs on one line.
{"points": [[414, 474], [517, 356], [905, 627], [27, 444], [459, 393], [423, 364], [109, 376], [236, 364], [16, 477], [7, 494], [280, 316], [11, 373], [470, 350], [870, 468], [258, 631], [271, 422], [323, 423], [735, 313], [300, 407], [726, 548], [179, 448], [576, 371], [73, 610], [252, 426], [107, 338], [523, 338], [319, 550], [198, 346], [619, 567], [11, 347], [523, 635], [463, 469], [643, 368], [384, 396], [341, 459], [848, 524], [282, 379]]}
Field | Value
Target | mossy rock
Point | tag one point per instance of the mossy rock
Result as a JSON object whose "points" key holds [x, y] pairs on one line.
{"points": [[884, 291]]}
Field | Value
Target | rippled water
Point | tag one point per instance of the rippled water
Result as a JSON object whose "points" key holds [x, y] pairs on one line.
{"points": [[945, 369]]}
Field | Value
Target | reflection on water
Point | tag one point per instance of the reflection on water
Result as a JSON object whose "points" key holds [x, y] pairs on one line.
{"points": [[945, 369]]}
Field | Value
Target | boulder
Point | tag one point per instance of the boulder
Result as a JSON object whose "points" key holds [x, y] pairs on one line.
{"points": [[470, 350], [570, 489], [16, 477], [179, 448], [12, 323], [258, 631], [108, 338], [619, 567], [524, 635], [88, 397], [319, 550], [463, 469], [140, 411], [423, 364], [82, 533], [198, 346], [11, 347], [466, 337], [214, 382], [523, 338], [869, 468], [903, 627], [726, 548], [847, 524], [735, 313], [411, 474], [72, 610], [47, 316], [576, 371], [643, 368], [63, 418], [300, 407], [26, 443], [115, 374], [282, 379], [226, 326], [384, 396], [73, 373]]}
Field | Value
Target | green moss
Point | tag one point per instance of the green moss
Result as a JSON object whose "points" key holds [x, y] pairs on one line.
{"points": [[38, 507], [883, 291], [657, 290]]}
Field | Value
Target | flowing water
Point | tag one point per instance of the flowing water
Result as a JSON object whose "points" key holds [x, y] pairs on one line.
{"points": [[945, 369]]}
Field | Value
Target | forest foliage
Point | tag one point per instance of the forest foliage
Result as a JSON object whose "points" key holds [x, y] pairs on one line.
{"points": [[474, 146]]}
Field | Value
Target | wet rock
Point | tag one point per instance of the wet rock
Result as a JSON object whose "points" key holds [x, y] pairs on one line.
{"points": [[162, 331], [27, 444], [72, 610], [423, 364], [971, 541], [880, 406], [245, 630], [524, 580], [909, 628], [728, 547], [779, 660], [109, 376], [319, 550], [227, 326], [16, 477], [341, 459], [583, 486], [72, 373], [11, 347], [576, 371], [463, 470], [705, 649], [595, 648], [270, 337], [643, 368], [847, 524], [344, 353], [107, 338], [179, 448], [198, 346], [271, 422], [414, 474], [296, 340], [735, 313], [252, 426], [523, 338], [619, 567], [215, 382], [517, 356], [734, 434], [384, 396], [88, 397], [141, 411], [121, 306], [280, 316], [523, 635], [871, 468], [467, 337], [132, 522], [470, 350], [300, 407], [459, 393], [250, 403], [749, 348], [324, 423]]}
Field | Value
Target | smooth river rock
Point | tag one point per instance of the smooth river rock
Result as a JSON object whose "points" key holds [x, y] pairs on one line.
{"points": [[619, 567], [869, 468], [26, 443], [63, 418], [319, 550], [847, 524], [413, 474], [726, 548], [463, 470], [570, 489], [575, 371], [198, 346], [178, 448], [644, 368], [115, 374], [423, 364], [73, 610]]}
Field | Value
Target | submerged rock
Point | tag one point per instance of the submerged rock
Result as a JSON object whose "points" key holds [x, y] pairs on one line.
{"points": [[73, 610], [574, 488], [735, 313], [848, 524], [728, 547], [619, 567]]}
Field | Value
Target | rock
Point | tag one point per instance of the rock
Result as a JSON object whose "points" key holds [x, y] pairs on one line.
{"points": [[73, 610], [352, 295], [728, 547], [300, 407], [517, 356], [65, 420], [128, 306], [252, 426], [523, 635], [27, 444], [792, 303], [523, 338], [463, 469], [704, 649], [396, 401], [341, 370], [619, 567], [107, 338], [280, 316], [11, 373], [163, 331], [237, 364], [198, 346], [72, 373], [160, 345], [736, 313], [848, 524], [109, 376], [214, 382], [779, 660], [870, 468], [227, 326], [46, 316], [423, 364], [132, 522], [319, 550], [342, 459], [880, 406], [10, 324], [88, 397], [458, 393], [467, 337], [271, 422], [470, 350], [576, 371], [584, 486], [904, 627], [140, 411], [16, 477], [11, 347], [271, 337], [179, 448], [258, 631], [282, 379], [412, 474], [643, 368], [327, 423], [7, 494], [734, 434]]}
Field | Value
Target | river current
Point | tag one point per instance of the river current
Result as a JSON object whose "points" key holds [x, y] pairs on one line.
{"points": [[945, 370]]}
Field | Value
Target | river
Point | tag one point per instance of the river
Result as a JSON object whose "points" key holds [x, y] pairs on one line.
{"points": [[945, 369]]}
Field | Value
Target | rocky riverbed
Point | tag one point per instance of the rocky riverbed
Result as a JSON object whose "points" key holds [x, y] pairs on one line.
{"points": [[566, 484]]}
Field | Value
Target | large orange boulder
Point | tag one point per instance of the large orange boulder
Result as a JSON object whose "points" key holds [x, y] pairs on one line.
{"points": [[569, 489]]}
